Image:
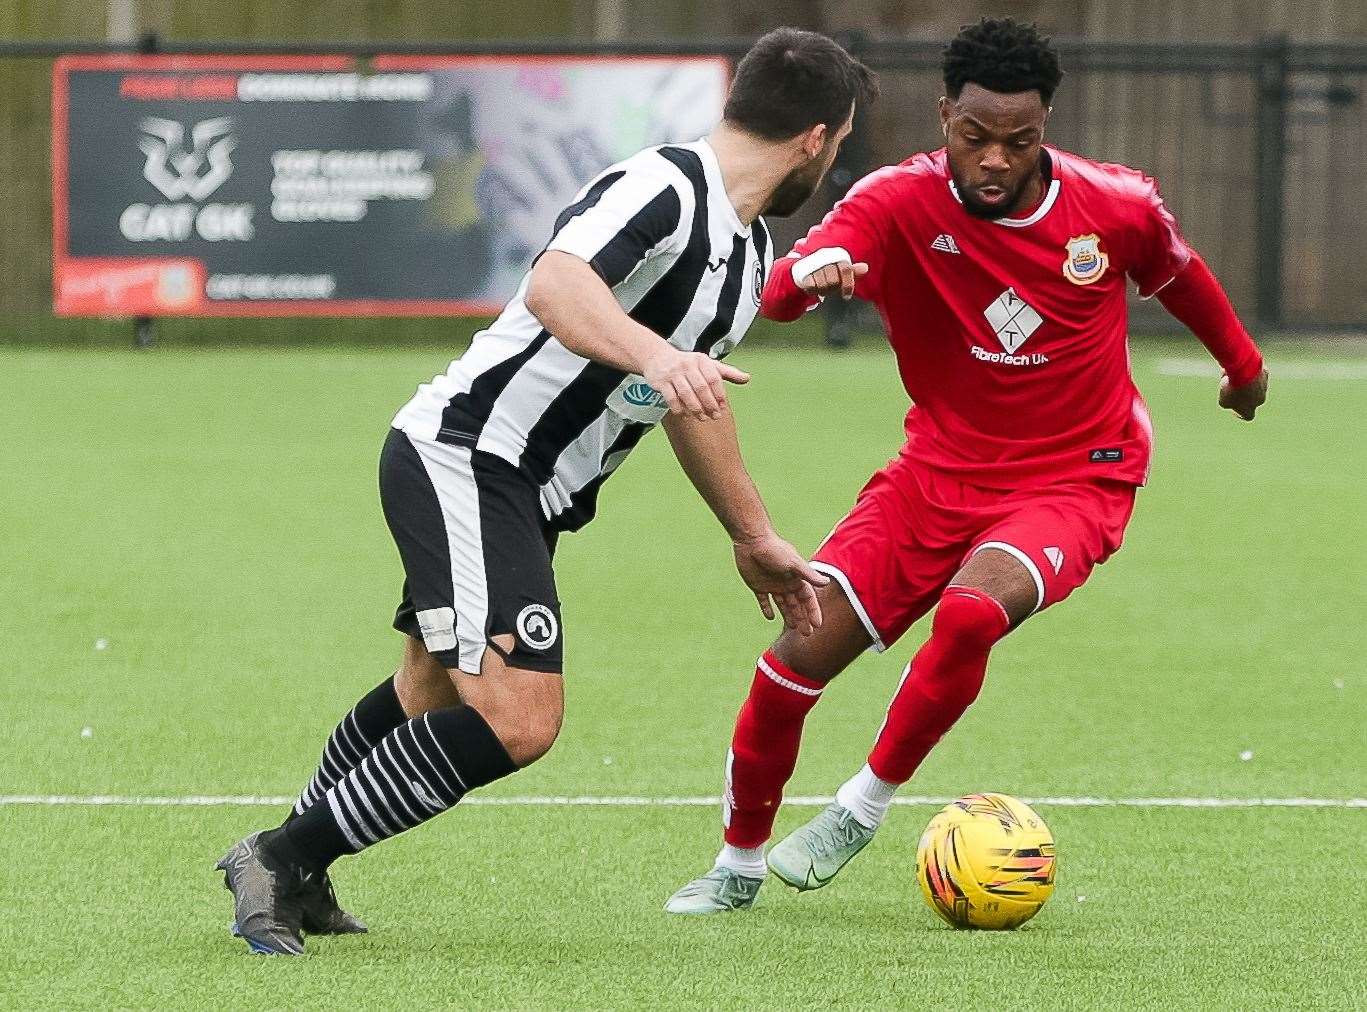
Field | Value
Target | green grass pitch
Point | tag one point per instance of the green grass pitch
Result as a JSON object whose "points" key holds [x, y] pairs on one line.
{"points": [[210, 517]]}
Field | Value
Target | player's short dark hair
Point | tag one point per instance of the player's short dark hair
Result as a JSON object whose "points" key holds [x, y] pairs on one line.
{"points": [[791, 80], [1003, 56]]}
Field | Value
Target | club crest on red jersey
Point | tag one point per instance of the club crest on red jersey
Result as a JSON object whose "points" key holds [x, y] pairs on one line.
{"points": [[1086, 262]]}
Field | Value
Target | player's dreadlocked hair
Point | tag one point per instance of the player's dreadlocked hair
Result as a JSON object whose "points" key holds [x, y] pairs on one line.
{"points": [[1000, 55]]}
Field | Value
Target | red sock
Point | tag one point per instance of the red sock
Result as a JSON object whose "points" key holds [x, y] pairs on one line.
{"points": [[943, 679], [764, 749]]}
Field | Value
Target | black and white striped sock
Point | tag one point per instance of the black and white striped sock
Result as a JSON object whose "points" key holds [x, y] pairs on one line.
{"points": [[378, 713], [418, 770]]}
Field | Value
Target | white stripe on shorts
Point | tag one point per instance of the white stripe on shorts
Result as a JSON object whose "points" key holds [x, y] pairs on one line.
{"points": [[453, 478]]}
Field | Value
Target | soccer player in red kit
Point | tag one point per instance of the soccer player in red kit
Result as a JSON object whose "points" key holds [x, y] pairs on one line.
{"points": [[999, 267]]}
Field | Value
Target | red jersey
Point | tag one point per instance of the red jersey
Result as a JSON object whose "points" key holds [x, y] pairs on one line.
{"points": [[1010, 334]]}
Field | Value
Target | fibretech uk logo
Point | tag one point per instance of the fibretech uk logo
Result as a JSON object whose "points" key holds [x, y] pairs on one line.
{"points": [[194, 172], [1012, 319]]}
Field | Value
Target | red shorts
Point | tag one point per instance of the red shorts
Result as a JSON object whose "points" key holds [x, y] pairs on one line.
{"points": [[913, 527]]}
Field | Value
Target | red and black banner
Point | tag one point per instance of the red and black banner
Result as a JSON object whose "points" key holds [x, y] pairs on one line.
{"points": [[313, 186]]}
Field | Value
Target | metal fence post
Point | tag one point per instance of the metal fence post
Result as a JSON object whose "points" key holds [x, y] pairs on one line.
{"points": [[145, 327], [1270, 177]]}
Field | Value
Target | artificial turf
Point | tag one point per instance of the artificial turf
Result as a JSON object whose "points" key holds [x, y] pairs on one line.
{"points": [[197, 582]]}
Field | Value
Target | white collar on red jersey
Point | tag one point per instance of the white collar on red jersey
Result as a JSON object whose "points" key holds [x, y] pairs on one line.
{"points": [[1036, 215]]}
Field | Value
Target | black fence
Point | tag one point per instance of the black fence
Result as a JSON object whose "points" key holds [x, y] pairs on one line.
{"points": [[1259, 146]]}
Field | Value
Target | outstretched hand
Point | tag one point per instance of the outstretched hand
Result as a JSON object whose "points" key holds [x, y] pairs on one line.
{"points": [[691, 383], [780, 577], [1244, 400]]}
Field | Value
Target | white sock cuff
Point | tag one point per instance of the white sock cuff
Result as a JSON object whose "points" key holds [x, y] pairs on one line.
{"points": [[787, 683], [866, 797], [747, 861]]}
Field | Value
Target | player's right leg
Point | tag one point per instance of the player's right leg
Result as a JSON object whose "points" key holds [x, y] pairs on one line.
{"points": [[883, 577], [788, 682]]}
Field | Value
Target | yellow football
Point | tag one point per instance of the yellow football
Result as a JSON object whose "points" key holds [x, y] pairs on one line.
{"points": [[986, 861]]}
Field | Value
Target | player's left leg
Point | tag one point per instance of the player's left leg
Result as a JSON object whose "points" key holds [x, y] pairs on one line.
{"points": [[510, 717], [420, 684], [1042, 547]]}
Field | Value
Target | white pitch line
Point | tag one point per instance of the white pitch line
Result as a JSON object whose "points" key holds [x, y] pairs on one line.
{"points": [[630, 801], [1204, 368]]}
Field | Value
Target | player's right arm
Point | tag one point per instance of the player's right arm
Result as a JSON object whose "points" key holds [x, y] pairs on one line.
{"points": [[574, 304], [842, 255], [623, 219]]}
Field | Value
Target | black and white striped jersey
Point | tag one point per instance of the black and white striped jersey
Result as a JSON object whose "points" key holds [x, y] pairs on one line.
{"points": [[662, 233]]}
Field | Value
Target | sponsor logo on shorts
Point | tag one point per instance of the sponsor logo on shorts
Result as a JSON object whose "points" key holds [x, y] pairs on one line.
{"points": [[1111, 456], [643, 395], [438, 627], [537, 627], [1055, 557]]}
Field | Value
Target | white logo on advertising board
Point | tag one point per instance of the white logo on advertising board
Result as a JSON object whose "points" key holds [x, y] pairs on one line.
{"points": [[194, 172], [186, 175]]}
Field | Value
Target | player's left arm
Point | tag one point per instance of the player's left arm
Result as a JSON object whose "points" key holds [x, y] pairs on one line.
{"points": [[1195, 297], [709, 452], [1163, 265]]}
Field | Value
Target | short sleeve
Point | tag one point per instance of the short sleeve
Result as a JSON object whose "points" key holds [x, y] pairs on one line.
{"points": [[1159, 253], [617, 221]]}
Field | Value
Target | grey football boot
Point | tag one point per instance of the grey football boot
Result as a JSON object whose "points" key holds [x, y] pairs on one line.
{"points": [[268, 897], [717, 892], [323, 915], [810, 856]]}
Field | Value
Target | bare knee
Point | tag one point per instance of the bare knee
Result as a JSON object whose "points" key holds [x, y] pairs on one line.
{"points": [[523, 708], [527, 731], [830, 649], [1005, 579], [422, 682]]}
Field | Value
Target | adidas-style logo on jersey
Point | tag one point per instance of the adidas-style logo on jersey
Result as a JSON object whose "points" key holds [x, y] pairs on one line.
{"points": [[1055, 556], [944, 242]]}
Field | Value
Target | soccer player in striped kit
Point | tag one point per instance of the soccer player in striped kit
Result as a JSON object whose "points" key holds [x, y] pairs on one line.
{"points": [[650, 278], [999, 267]]}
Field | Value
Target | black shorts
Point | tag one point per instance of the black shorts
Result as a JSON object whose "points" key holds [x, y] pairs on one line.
{"points": [[476, 554]]}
